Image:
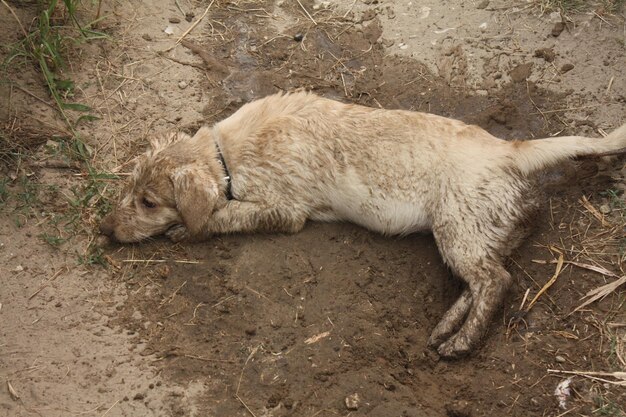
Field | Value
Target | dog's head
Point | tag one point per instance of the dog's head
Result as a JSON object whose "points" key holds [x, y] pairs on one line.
{"points": [[173, 183]]}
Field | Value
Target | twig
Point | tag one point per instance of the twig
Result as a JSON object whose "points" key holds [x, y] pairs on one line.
{"points": [[44, 285], [22, 89], [350, 9], [583, 200], [223, 300], [16, 18], [608, 88], [12, 391], [193, 26], [548, 284], [159, 260], [307, 13], [600, 292], [200, 358], [603, 19], [110, 408], [563, 110], [171, 297], [241, 377], [621, 376]]}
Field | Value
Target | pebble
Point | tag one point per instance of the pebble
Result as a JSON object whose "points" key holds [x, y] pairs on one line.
{"points": [[483, 4], [567, 67], [605, 209], [298, 37], [558, 28], [352, 402], [559, 359], [174, 20], [182, 85]]}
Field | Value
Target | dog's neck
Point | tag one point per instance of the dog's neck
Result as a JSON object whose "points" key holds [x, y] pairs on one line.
{"points": [[227, 178]]}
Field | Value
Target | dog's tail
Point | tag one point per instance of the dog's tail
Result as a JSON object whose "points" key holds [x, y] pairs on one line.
{"points": [[533, 155]]}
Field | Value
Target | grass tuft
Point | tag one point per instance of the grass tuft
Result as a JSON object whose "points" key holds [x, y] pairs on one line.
{"points": [[47, 45]]}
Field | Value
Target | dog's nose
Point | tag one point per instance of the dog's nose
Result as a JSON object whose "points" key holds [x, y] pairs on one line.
{"points": [[107, 226]]}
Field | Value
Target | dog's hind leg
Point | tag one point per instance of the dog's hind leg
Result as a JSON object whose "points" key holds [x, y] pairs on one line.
{"points": [[452, 319], [488, 282]]}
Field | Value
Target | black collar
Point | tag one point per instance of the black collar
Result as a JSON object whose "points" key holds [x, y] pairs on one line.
{"points": [[229, 192]]}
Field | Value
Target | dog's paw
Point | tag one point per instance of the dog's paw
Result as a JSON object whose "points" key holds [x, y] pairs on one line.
{"points": [[177, 233], [455, 347], [436, 339]]}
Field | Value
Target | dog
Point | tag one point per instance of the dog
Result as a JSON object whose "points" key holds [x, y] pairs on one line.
{"points": [[288, 158]]}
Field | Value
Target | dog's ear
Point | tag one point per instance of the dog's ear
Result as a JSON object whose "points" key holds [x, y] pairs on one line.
{"points": [[196, 193]]}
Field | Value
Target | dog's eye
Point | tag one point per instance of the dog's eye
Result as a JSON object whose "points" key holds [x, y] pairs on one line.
{"points": [[148, 203]]}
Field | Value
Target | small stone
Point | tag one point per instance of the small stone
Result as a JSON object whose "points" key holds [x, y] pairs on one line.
{"points": [[18, 268], [566, 68], [605, 209], [298, 37], [559, 359], [251, 331], [558, 28], [169, 30], [147, 37], [174, 20], [139, 396], [189, 16], [483, 4], [546, 53], [483, 26], [352, 402], [182, 85]]}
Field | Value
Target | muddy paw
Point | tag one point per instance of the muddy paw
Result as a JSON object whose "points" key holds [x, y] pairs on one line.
{"points": [[436, 339], [177, 233], [455, 347], [440, 334]]}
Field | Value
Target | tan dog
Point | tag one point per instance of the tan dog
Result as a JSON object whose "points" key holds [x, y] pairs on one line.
{"points": [[297, 156]]}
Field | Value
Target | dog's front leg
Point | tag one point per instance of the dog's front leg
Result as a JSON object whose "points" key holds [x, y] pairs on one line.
{"points": [[249, 217], [243, 217]]}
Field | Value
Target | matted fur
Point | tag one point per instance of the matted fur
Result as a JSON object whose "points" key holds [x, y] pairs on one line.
{"points": [[296, 157]]}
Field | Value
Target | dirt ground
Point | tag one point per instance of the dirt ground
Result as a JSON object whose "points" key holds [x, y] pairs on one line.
{"points": [[332, 321]]}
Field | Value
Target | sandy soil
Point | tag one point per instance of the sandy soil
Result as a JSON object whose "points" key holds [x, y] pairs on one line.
{"points": [[334, 320]]}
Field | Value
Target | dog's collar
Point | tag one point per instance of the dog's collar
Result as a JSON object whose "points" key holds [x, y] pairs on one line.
{"points": [[229, 192]]}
